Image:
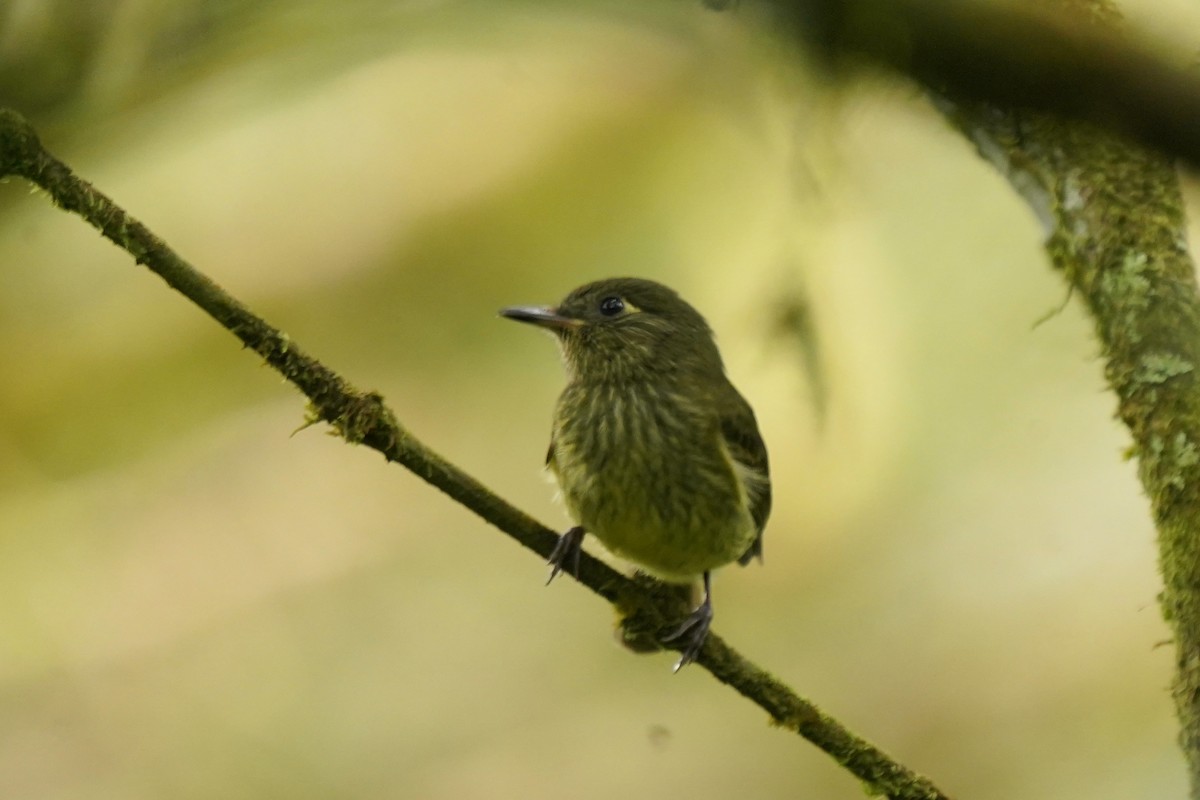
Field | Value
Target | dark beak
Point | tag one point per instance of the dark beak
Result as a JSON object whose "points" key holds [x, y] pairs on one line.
{"points": [[540, 315]]}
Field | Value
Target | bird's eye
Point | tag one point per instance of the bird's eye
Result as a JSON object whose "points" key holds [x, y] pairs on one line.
{"points": [[611, 306]]}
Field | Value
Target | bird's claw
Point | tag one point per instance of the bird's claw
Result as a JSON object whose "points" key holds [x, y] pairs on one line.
{"points": [[691, 634], [565, 555]]}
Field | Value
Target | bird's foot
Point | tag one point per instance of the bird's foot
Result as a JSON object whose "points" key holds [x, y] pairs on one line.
{"points": [[565, 555], [691, 634]]}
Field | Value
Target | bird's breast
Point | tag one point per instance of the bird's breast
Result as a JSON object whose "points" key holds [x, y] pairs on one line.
{"points": [[644, 470]]}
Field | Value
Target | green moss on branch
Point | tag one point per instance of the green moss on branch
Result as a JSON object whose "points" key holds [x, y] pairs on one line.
{"points": [[363, 418], [1117, 233]]}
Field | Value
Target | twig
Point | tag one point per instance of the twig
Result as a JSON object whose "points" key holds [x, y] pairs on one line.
{"points": [[362, 418]]}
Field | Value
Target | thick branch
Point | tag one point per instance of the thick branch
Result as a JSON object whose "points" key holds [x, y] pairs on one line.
{"points": [[1117, 232], [1116, 229], [1056, 102], [1023, 56], [363, 418]]}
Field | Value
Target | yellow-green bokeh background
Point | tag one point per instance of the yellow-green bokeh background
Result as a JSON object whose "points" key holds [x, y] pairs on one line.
{"points": [[196, 603]]}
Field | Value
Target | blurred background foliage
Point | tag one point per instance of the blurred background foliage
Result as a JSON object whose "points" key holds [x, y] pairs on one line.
{"points": [[196, 603]]}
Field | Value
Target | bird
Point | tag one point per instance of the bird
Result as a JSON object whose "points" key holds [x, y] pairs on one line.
{"points": [[654, 451]]}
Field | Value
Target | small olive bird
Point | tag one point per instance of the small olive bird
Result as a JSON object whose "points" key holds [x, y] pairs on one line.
{"points": [[655, 452]]}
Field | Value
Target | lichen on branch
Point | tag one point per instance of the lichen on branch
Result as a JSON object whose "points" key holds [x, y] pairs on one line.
{"points": [[1117, 232]]}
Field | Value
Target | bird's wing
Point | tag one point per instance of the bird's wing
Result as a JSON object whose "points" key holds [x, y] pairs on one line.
{"points": [[739, 429]]}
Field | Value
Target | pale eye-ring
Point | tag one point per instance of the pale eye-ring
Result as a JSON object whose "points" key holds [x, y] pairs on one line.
{"points": [[611, 306]]}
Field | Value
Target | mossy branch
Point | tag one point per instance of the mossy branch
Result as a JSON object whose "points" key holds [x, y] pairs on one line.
{"points": [[362, 418], [1032, 55], [1116, 229], [1069, 109]]}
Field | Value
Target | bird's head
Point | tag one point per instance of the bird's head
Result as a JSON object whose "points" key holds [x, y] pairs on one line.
{"points": [[625, 328]]}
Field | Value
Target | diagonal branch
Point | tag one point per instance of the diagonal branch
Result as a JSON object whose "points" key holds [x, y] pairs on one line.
{"points": [[362, 418]]}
